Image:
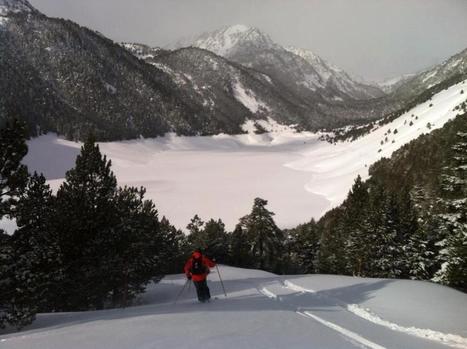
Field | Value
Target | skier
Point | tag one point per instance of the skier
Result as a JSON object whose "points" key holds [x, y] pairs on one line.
{"points": [[197, 269]]}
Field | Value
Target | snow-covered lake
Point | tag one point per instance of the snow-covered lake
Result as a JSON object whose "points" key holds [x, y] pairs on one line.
{"points": [[219, 176]]}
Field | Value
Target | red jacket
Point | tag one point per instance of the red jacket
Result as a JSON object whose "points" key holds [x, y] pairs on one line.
{"points": [[206, 261]]}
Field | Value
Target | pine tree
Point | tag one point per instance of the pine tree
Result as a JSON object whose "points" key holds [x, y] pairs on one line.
{"points": [[176, 247], [13, 178], [7, 282], [135, 246], [454, 204], [239, 248], [37, 274], [216, 240], [357, 226], [13, 175], [332, 253], [196, 237], [86, 215], [264, 236], [304, 247]]}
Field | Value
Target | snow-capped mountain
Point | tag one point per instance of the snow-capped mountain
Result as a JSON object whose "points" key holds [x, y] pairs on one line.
{"points": [[336, 77], [226, 41], [14, 6], [299, 70]]}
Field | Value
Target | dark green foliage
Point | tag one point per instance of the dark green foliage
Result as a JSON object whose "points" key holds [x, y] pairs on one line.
{"points": [[210, 237], [38, 265], [239, 248], [264, 237], [176, 248], [134, 248], [14, 309], [87, 214], [453, 216], [302, 248], [13, 175]]}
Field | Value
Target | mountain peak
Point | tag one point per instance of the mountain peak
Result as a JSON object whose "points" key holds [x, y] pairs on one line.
{"points": [[226, 39], [14, 6]]}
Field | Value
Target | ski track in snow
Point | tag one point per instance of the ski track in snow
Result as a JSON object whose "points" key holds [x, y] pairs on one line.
{"points": [[451, 340], [262, 310]]}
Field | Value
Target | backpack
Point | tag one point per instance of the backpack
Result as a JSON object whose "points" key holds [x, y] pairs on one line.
{"points": [[198, 267]]}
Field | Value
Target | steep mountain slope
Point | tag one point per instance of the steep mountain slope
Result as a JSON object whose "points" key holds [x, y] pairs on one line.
{"points": [[337, 78], [235, 93], [62, 77], [454, 67], [299, 70], [281, 102]]}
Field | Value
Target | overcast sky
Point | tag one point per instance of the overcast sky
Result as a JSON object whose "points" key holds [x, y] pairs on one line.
{"points": [[372, 39]]}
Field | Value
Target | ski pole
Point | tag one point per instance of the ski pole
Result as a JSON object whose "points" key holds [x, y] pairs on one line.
{"points": [[181, 291], [222, 283]]}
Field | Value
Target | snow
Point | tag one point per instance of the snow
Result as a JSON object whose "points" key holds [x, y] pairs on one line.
{"points": [[334, 167], [8, 225], [248, 98], [14, 6], [219, 176], [222, 42], [449, 339], [261, 310]]}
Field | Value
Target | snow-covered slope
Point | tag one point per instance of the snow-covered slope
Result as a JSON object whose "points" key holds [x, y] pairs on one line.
{"points": [[334, 168], [219, 176], [263, 310]]}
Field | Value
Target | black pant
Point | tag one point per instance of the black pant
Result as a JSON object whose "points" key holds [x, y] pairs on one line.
{"points": [[202, 290]]}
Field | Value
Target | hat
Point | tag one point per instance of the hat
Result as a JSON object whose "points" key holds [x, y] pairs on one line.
{"points": [[196, 254]]}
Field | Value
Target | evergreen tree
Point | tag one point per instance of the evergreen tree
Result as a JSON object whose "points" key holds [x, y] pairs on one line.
{"points": [[13, 175], [196, 237], [454, 204], [239, 248], [216, 240], [36, 243], [86, 217], [7, 284], [176, 247], [332, 252], [13, 178], [37, 270], [264, 237], [357, 226], [304, 247], [135, 246]]}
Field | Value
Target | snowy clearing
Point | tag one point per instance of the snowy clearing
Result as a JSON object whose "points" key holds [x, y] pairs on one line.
{"points": [[261, 311], [219, 176]]}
